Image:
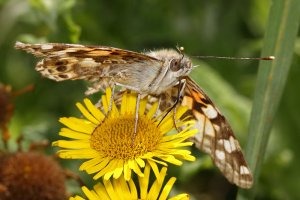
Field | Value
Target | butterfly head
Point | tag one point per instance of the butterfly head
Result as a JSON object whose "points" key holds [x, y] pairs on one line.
{"points": [[180, 65], [177, 63]]}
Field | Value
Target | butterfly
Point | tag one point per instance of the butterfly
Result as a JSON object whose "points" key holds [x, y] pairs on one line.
{"points": [[156, 73]]}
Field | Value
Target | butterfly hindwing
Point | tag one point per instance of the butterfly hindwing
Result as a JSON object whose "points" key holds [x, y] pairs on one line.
{"points": [[215, 136]]}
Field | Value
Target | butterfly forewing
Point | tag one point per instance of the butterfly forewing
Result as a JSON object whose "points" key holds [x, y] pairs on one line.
{"points": [[216, 137], [100, 65]]}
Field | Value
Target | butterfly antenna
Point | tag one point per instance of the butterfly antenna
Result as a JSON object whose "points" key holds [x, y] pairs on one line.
{"points": [[180, 50], [236, 58]]}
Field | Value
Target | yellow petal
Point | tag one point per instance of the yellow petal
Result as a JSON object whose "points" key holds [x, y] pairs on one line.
{"points": [[166, 190], [86, 114], [156, 186], [170, 159], [101, 191], [110, 169], [90, 163], [127, 171], [91, 195], [65, 132], [154, 168], [152, 110], [133, 190], [118, 169], [183, 196], [134, 166], [94, 111], [76, 198], [142, 106], [109, 100], [124, 103], [104, 103], [159, 162], [75, 144], [107, 171], [77, 125], [121, 188], [98, 167], [140, 162], [110, 189], [131, 104], [78, 154], [144, 182]]}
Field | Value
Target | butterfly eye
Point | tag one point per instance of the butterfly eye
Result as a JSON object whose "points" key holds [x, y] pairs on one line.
{"points": [[175, 65]]}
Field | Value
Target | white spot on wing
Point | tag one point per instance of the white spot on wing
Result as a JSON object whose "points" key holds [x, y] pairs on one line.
{"points": [[245, 183], [76, 45], [89, 62], [232, 143], [210, 112], [220, 155], [46, 46], [244, 170], [216, 127], [227, 146], [39, 65], [209, 130], [199, 125], [19, 44]]}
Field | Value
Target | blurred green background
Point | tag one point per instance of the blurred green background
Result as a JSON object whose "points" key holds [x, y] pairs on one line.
{"points": [[222, 28]]}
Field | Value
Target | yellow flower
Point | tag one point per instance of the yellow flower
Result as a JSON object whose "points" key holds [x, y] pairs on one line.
{"points": [[119, 189], [108, 141]]}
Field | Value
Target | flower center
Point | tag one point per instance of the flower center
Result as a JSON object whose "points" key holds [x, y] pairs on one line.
{"points": [[114, 137]]}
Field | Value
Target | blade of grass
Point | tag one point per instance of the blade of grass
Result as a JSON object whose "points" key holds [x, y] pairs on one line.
{"points": [[279, 41]]}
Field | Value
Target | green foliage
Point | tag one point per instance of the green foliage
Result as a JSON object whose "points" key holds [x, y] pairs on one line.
{"points": [[279, 41], [203, 28]]}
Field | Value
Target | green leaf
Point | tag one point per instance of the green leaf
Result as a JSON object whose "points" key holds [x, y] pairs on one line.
{"points": [[279, 41], [74, 29]]}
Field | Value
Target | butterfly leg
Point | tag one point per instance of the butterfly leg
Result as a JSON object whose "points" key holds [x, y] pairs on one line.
{"points": [[111, 98], [137, 105], [96, 87], [157, 109], [181, 86], [174, 119]]}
